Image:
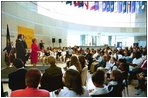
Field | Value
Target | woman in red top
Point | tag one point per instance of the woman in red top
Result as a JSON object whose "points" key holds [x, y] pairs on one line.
{"points": [[34, 52]]}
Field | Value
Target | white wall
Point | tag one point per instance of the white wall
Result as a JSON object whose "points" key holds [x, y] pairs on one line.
{"points": [[15, 14]]}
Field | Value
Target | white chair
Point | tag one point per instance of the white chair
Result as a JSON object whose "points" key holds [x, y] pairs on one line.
{"points": [[84, 75]]}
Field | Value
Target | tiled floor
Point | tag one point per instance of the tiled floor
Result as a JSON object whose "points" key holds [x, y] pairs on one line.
{"points": [[90, 85]]}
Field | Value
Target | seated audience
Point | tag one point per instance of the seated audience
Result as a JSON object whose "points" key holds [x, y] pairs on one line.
{"points": [[17, 78], [33, 77], [89, 57], [46, 55], [73, 85], [104, 62], [84, 69], [52, 75], [116, 84], [135, 65], [112, 65], [75, 64], [98, 80]]}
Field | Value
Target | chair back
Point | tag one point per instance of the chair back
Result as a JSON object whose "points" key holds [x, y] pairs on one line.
{"points": [[84, 75]]}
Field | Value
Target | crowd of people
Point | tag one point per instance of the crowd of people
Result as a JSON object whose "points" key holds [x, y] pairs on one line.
{"points": [[110, 68]]}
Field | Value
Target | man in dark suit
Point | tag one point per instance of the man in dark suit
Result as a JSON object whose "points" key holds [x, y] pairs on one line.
{"points": [[17, 78]]}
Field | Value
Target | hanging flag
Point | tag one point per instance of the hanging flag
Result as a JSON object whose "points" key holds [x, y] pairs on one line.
{"points": [[86, 3], [142, 6], [92, 5], [96, 5], [128, 9], [104, 6], [124, 6], [76, 3], [69, 2], [111, 6], [132, 6], [137, 6], [119, 6], [7, 36], [107, 6], [116, 6], [81, 4], [100, 6]]}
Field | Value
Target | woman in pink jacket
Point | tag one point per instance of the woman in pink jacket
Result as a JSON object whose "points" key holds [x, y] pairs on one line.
{"points": [[34, 52]]}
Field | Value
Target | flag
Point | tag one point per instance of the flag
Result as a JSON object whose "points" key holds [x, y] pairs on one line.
{"points": [[96, 5], [124, 6], [103, 6], [107, 6], [119, 6], [86, 3], [111, 6], [132, 6], [137, 4], [128, 9], [142, 6], [69, 2], [76, 3], [92, 5], [7, 36], [81, 4], [115, 6]]}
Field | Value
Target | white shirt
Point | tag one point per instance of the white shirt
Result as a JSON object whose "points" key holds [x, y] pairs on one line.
{"points": [[65, 92], [73, 67], [138, 62], [98, 91], [95, 55], [100, 59]]}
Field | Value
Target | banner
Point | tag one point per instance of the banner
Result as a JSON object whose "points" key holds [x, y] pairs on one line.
{"points": [[142, 6], [111, 6], [124, 6], [133, 6], [119, 6], [104, 6], [28, 34], [69, 2]]}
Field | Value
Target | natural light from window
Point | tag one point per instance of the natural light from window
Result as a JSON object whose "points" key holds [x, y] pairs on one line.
{"points": [[61, 11]]}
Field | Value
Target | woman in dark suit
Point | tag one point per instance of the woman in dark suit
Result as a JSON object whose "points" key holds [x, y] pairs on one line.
{"points": [[21, 48]]}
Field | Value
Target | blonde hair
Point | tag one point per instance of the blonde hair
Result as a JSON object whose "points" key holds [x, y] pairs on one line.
{"points": [[51, 60]]}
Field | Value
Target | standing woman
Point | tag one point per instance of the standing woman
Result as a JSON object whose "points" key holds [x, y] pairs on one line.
{"points": [[34, 52], [20, 48]]}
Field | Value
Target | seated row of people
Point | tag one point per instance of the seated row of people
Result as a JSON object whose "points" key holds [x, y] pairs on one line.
{"points": [[72, 82]]}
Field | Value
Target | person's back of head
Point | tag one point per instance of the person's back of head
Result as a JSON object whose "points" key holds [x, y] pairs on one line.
{"points": [[72, 80], [117, 76], [18, 63], [33, 77], [74, 61], [98, 78], [82, 61], [51, 60]]}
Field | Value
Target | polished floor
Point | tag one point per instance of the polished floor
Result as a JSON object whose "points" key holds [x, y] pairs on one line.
{"points": [[131, 87]]}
